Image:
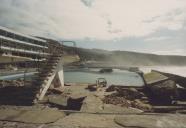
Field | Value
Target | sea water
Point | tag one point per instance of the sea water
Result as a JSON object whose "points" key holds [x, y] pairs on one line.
{"points": [[117, 77]]}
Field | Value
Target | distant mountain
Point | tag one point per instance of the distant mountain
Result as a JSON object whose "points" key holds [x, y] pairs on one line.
{"points": [[123, 58], [126, 58]]}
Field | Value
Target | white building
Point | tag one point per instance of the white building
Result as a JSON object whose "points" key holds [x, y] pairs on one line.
{"points": [[20, 46]]}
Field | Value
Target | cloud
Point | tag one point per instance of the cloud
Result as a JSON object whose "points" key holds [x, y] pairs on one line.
{"points": [[115, 31], [173, 20], [88, 3], [160, 38], [72, 19], [129, 24], [170, 52]]}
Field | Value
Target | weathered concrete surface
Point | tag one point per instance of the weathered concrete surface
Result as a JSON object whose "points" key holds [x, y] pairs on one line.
{"points": [[152, 121], [92, 104], [154, 77], [58, 100], [109, 108], [76, 91], [39, 116], [8, 124], [86, 121], [93, 113]]}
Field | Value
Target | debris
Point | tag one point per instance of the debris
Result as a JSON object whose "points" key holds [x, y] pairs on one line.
{"points": [[130, 97], [92, 87], [164, 92], [106, 70], [16, 83], [116, 100], [140, 105], [56, 90], [58, 100], [101, 82]]}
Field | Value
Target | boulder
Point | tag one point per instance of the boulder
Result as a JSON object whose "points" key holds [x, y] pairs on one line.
{"points": [[164, 91]]}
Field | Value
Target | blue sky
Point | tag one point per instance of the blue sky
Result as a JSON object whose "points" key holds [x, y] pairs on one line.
{"points": [[151, 26]]}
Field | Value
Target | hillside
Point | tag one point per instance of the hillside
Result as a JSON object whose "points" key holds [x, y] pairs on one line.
{"points": [[130, 58], [125, 58]]}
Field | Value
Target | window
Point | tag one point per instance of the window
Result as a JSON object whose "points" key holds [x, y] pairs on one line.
{"points": [[2, 32]]}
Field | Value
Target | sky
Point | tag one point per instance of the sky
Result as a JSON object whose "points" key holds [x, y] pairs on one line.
{"points": [[150, 26]]}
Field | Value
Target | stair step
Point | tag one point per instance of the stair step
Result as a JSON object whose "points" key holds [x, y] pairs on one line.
{"points": [[58, 55], [54, 59], [47, 71], [52, 63], [55, 56], [144, 98], [50, 67], [45, 74], [41, 80], [36, 82], [146, 102]]}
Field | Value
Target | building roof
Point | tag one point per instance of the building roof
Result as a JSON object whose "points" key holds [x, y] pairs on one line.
{"points": [[31, 37], [23, 50], [22, 42]]}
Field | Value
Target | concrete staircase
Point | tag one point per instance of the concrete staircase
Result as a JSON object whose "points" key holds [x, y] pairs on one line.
{"points": [[50, 74], [47, 74]]}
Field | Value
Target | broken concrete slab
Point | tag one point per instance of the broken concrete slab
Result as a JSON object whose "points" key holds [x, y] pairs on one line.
{"points": [[39, 116], [154, 77], [77, 90], [166, 109], [164, 92], [86, 121], [141, 105], [179, 79], [58, 100], [92, 103], [152, 121], [114, 109]]}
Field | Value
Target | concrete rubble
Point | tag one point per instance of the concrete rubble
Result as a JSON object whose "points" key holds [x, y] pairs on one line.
{"points": [[105, 107]]}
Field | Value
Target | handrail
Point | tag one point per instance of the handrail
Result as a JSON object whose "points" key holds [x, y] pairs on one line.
{"points": [[74, 45]]}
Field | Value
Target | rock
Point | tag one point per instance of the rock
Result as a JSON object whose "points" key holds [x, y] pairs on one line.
{"points": [[140, 105], [112, 99], [127, 98], [92, 87], [165, 91], [106, 70], [112, 88], [130, 93]]}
